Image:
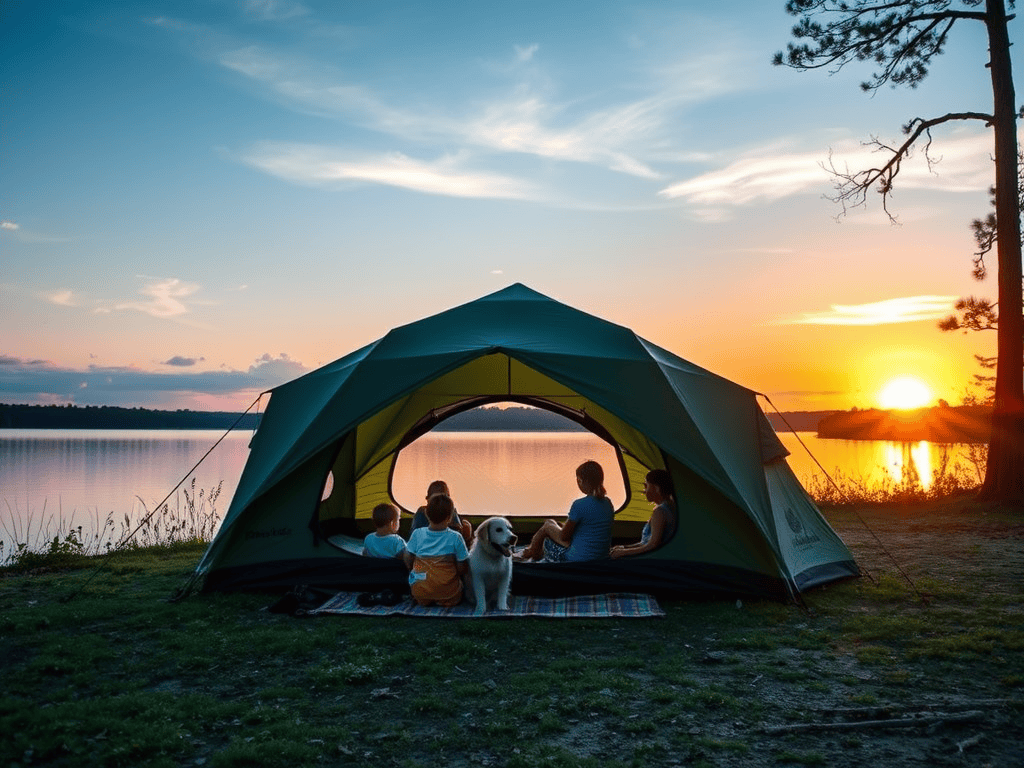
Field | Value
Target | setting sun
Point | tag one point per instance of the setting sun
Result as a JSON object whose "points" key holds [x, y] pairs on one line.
{"points": [[905, 392]]}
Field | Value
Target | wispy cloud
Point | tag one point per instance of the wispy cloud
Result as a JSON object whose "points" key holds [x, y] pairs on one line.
{"points": [[524, 126], [523, 122], [320, 90], [62, 297], [909, 309], [273, 10], [772, 173], [752, 178], [315, 165], [26, 236], [525, 53], [167, 297]]}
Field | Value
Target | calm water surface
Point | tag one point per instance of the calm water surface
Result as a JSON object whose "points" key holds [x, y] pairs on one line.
{"points": [[77, 477], [52, 480]]}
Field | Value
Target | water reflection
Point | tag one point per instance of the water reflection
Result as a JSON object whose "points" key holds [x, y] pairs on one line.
{"points": [[504, 473], [909, 463], [54, 480], [876, 461]]}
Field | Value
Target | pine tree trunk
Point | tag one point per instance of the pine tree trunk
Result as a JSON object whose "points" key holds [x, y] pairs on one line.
{"points": [[1004, 475]]}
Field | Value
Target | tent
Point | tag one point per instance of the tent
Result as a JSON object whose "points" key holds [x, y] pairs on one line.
{"points": [[746, 526]]}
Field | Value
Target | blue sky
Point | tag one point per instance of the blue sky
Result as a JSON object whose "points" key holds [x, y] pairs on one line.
{"points": [[201, 200]]}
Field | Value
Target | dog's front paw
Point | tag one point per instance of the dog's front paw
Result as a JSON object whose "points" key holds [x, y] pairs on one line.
{"points": [[503, 605]]}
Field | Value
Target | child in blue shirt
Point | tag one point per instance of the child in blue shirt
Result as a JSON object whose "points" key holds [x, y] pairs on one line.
{"points": [[385, 542]]}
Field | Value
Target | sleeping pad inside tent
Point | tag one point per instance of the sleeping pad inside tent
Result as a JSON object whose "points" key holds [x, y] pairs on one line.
{"points": [[745, 524]]}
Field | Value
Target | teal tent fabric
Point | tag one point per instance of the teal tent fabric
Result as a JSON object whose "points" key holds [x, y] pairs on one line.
{"points": [[343, 425]]}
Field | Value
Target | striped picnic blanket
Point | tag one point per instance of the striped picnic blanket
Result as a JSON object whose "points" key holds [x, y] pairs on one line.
{"points": [[584, 606]]}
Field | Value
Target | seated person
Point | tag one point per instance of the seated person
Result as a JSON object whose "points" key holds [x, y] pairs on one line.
{"points": [[661, 526], [385, 542], [587, 534], [419, 520], [437, 557]]}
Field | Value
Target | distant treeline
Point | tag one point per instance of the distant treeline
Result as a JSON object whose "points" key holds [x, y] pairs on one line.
{"points": [[850, 425], [797, 421], [511, 419], [112, 417], [944, 424]]}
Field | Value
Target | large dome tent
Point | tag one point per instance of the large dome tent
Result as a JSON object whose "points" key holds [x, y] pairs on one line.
{"points": [[746, 526]]}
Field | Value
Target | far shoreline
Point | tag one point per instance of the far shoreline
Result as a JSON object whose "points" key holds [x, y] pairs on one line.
{"points": [[941, 424]]}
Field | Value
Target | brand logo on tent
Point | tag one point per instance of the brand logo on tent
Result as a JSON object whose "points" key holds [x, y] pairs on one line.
{"points": [[801, 536], [270, 532], [794, 522]]}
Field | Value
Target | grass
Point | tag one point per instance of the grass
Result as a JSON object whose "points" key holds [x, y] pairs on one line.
{"points": [[54, 540], [119, 676]]}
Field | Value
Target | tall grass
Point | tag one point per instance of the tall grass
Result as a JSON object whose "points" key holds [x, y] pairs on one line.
{"points": [[31, 541], [949, 478]]}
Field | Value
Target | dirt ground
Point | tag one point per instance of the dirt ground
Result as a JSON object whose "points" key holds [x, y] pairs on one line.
{"points": [[946, 541], [947, 691]]}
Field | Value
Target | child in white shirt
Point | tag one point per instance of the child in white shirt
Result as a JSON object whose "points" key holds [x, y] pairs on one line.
{"points": [[437, 557]]}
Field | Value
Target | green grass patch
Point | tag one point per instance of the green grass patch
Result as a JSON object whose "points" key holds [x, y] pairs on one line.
{"points": [[118, 676]]}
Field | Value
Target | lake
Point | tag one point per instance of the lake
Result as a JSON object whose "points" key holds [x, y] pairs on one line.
{"points": [[51, 480]]}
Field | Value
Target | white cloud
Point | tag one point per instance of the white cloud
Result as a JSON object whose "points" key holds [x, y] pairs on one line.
{"points": [[909, 309], [166, 298], [8, 225], [309, 164], [62, 297], [525, 53]]}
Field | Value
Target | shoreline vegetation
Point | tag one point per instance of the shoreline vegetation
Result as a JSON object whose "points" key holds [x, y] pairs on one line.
{"points": [[942, 424]]}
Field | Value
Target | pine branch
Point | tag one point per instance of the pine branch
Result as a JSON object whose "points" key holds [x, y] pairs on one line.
{"points": [[852, 188]]}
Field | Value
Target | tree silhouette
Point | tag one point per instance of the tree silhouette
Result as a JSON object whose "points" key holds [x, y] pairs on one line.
{"points": [[901, 37]]}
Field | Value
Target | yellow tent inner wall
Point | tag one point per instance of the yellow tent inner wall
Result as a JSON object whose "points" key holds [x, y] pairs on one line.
{"points": [[362, 470]]}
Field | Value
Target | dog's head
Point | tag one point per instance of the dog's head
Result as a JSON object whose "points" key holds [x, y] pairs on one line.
{"points": [[496, 533]]}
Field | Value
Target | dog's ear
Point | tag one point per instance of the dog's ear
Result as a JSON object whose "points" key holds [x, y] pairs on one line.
{"points": [[483, 531]]}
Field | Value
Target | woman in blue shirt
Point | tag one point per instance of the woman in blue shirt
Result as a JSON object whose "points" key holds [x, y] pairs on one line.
{"points": [[587, 534]]}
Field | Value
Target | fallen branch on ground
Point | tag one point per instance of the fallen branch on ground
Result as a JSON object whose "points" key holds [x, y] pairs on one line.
{"points": [[936, 719], [974, 740]]}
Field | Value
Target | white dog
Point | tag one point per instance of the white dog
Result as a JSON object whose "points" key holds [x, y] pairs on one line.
{"points": [[490, 565]]}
